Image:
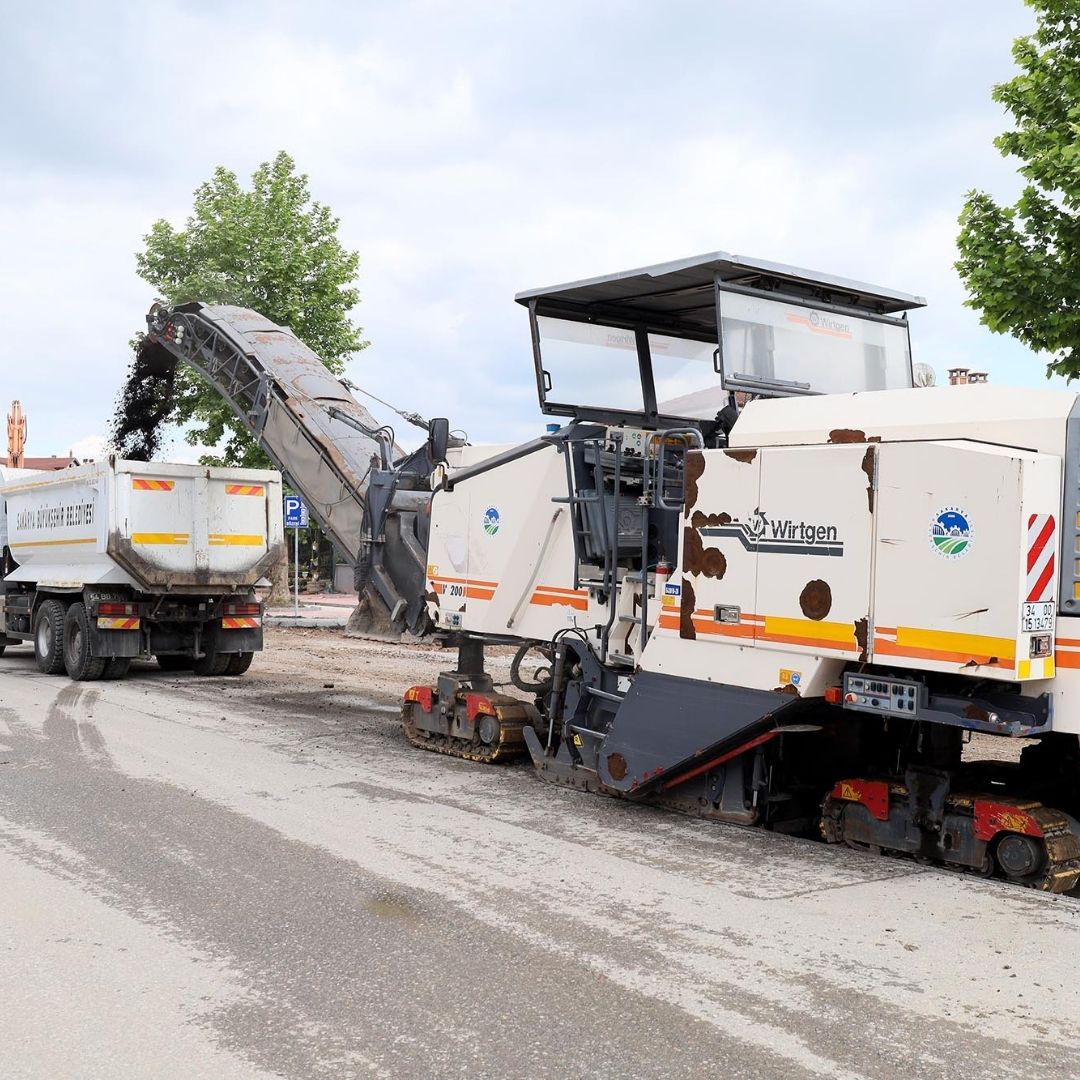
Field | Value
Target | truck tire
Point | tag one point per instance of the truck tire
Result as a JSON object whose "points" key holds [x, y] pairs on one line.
{"points": [[80, 664], [116, 667], [49, 637], [211, 664], [239, 663], [173, 662]]}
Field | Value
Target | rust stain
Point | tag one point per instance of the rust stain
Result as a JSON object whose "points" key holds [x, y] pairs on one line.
{"points": [[816, 599], [698, 559], [862, 632], [745, 456], [846, 435], [976, 712], [851, 435], [700, 520], [791, 691], [432, 597], [868, 468], [686, 621], [616, 764], [695, 466]]}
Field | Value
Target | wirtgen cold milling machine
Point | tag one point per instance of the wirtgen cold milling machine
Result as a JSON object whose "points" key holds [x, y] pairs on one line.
{"points": [[792, 614]]}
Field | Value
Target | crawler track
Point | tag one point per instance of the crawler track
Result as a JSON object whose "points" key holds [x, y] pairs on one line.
{"points": [[512, 715], [1060, 872]]}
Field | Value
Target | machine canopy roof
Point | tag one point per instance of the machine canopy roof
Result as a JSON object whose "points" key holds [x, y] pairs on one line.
{"points": [[681, 293]]}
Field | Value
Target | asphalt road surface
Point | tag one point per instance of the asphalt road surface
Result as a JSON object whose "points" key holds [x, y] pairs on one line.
{"points": [[258, 878]]}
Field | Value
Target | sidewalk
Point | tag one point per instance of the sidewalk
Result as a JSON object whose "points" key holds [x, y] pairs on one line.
{"points": [[324, 611]]}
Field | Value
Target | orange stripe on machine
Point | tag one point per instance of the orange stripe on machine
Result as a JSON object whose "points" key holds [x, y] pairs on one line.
{"points": [[542, 596], [547, 596]]}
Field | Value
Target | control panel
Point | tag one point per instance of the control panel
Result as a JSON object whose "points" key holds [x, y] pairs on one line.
{"points": [[894, 697]]}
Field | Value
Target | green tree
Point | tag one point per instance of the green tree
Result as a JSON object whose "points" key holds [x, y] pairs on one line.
{"points": [[1021, 263], [267, 247]]}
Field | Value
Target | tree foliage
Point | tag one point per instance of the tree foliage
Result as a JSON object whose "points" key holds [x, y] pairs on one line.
{"points": [[267, 247], [1021, 263]]}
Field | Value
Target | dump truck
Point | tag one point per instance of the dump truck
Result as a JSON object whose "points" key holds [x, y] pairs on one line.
{"points": [[752, 573], [115, 560]]}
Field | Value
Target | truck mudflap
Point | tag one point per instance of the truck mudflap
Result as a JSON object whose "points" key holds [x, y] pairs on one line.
{"points": [[1019, 839]]}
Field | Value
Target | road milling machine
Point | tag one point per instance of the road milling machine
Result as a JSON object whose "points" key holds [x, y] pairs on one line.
{"points": [[752, 574]]}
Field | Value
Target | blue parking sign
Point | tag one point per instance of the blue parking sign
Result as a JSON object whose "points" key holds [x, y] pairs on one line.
{"points": [[296, 513]]}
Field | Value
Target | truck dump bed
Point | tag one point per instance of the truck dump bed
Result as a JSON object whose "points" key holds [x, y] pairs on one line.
{"points": [[155, 527]]}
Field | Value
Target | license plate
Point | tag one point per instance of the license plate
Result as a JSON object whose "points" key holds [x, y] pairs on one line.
{"points": [[1038, 617]]}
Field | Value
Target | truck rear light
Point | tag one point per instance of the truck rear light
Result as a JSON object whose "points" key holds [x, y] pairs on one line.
{"points": [[110, 608], [242, 609], [421, 695]]}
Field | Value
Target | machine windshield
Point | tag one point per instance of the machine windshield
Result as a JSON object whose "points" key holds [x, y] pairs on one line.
{"points": [[670, 342], [793, 348], [590, 365]]}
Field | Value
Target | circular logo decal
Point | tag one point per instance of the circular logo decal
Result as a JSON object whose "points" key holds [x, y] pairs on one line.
{"points": [[491, 521], [951, 533]]}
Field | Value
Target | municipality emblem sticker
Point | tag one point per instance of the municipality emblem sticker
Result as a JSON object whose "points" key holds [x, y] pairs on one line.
{"points": [[491, 520], [951, 532]]}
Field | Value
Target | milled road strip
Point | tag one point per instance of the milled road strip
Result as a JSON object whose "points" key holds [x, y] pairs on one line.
{"points": [[781, 956], [62, 946]]}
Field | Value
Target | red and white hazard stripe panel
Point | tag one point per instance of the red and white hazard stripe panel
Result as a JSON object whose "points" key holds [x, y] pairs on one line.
{"points": [[1041, 558]]}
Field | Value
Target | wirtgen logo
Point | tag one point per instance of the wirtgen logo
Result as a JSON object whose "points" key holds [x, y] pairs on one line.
{"points": [[820, 322], [780, 536]]}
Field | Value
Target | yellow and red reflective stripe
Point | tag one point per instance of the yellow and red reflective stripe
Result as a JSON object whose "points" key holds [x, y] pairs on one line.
{"points": [[238, 622], [106, 623], [244, 489], [144, 483]]}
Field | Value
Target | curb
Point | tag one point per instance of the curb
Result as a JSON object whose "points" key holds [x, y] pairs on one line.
{"points": [[334, 623]]}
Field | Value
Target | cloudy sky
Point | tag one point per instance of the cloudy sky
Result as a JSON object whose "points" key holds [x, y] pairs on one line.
{"points": [[474, 149]]}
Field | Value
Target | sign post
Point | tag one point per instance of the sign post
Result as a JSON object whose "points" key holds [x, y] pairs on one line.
{"points": [[296, 517]]}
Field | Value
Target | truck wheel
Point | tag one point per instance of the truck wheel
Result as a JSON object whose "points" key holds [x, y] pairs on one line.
{"points": [[239, 663], [173, 662], [116, 667], [49, 637], [80, 664], [211, 663]]}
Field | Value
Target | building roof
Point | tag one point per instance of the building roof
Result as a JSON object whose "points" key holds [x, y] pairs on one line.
{"points": [[45, 464]]}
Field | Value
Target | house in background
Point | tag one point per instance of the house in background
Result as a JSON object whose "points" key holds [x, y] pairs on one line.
{"points": [[16, 458], [961, 376]]}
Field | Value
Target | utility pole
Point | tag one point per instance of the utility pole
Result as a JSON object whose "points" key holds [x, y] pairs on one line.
{"points": [[16, 429]]}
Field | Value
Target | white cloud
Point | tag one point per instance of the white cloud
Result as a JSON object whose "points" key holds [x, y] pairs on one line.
{"points": [[474, 150]]}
